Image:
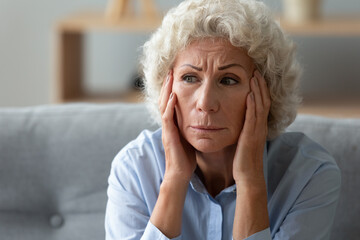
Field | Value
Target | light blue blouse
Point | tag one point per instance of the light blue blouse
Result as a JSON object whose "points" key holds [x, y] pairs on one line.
{"points": [[303, 185]]}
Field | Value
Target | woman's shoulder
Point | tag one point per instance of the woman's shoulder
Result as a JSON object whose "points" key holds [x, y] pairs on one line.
{"points": [[297, 145], [146, 140], [137, 170], [293, 156], [144, 153], [302, 176]]}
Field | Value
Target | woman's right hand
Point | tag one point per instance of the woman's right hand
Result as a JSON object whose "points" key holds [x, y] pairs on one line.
{"points": [[180, 165], [179, 154]]}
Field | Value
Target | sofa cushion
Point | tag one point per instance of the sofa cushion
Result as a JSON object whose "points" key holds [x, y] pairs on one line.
{"points": [[54, 165]]}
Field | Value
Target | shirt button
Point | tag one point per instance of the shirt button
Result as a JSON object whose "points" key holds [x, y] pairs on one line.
{"points": [[56, 221]]}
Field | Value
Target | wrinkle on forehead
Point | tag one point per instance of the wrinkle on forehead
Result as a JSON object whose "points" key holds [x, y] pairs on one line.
{"points": [[213, 53]]}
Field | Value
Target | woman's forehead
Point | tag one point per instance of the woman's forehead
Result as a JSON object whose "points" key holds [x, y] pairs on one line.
{"points": [[219, 51]]}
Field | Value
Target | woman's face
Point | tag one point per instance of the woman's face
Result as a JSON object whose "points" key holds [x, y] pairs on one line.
{"points": [[211, 81]]}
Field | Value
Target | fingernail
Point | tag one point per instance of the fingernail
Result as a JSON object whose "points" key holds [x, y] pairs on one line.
{"points": [[252, 95], [256, 81], [171, 95], [167, 79]]}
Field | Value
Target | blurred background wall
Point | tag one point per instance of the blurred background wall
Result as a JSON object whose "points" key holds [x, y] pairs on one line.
{"points": [[28, 59]]}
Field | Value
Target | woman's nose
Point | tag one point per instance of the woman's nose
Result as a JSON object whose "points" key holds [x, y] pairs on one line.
{"points": [[207, 98]]}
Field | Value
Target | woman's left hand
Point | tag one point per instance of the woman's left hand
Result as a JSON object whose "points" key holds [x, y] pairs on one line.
{"points": [[248, 160], [251, 214]]}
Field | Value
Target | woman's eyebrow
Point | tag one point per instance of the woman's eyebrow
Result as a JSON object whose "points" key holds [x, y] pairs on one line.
{"points": [[194, 67], [230, 65]]}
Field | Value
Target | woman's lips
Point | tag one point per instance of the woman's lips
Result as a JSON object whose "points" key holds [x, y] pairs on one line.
{"points": [[206, 128]]}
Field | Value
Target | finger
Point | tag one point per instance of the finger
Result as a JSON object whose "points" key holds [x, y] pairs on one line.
{"points": [[265, 92], [166, 78], [168, 115], [259, 108], [250, 116], [162, 88], [166, 93]]}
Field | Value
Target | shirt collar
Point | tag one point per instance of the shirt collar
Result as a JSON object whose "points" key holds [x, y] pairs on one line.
{"points": [[197, 185]]}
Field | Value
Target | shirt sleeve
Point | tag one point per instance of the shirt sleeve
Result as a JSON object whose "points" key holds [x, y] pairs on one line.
{"points": [[127, 215], [262, 235], [152, 232], [312, 214]]}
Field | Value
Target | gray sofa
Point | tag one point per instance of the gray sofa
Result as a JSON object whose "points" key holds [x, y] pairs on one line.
{"points": [[55, 160]]}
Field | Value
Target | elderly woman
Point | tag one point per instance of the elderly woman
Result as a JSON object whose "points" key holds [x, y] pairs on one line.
{"points": [[221, 78]]}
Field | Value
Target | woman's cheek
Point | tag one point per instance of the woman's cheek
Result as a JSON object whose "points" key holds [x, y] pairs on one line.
{"points": [[176, 87], [182, 107], [178, 110]]}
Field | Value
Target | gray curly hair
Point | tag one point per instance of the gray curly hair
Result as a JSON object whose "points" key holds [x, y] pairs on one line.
{"points": [[247, 24]]}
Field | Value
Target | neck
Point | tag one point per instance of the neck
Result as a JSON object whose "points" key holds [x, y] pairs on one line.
{"points": [[215, 169]]}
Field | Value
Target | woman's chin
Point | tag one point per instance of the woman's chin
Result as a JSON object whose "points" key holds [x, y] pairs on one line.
{"points": [[207, 145]]}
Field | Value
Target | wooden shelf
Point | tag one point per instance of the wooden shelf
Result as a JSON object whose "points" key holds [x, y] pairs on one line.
{"points": [[132, 96], [70, 33], [70, 39], [335, 108], [96, 21], [338, 26]]}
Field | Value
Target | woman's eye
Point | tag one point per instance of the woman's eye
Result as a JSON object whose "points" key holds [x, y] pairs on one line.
{"points": [[189, 79], [228, 81]]}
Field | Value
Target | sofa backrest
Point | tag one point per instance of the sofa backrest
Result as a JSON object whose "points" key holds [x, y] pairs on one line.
{"points": [[55, 161], [341, 137]]}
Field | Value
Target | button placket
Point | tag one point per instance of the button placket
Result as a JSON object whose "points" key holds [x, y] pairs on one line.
{"points": [[216, 219]]}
